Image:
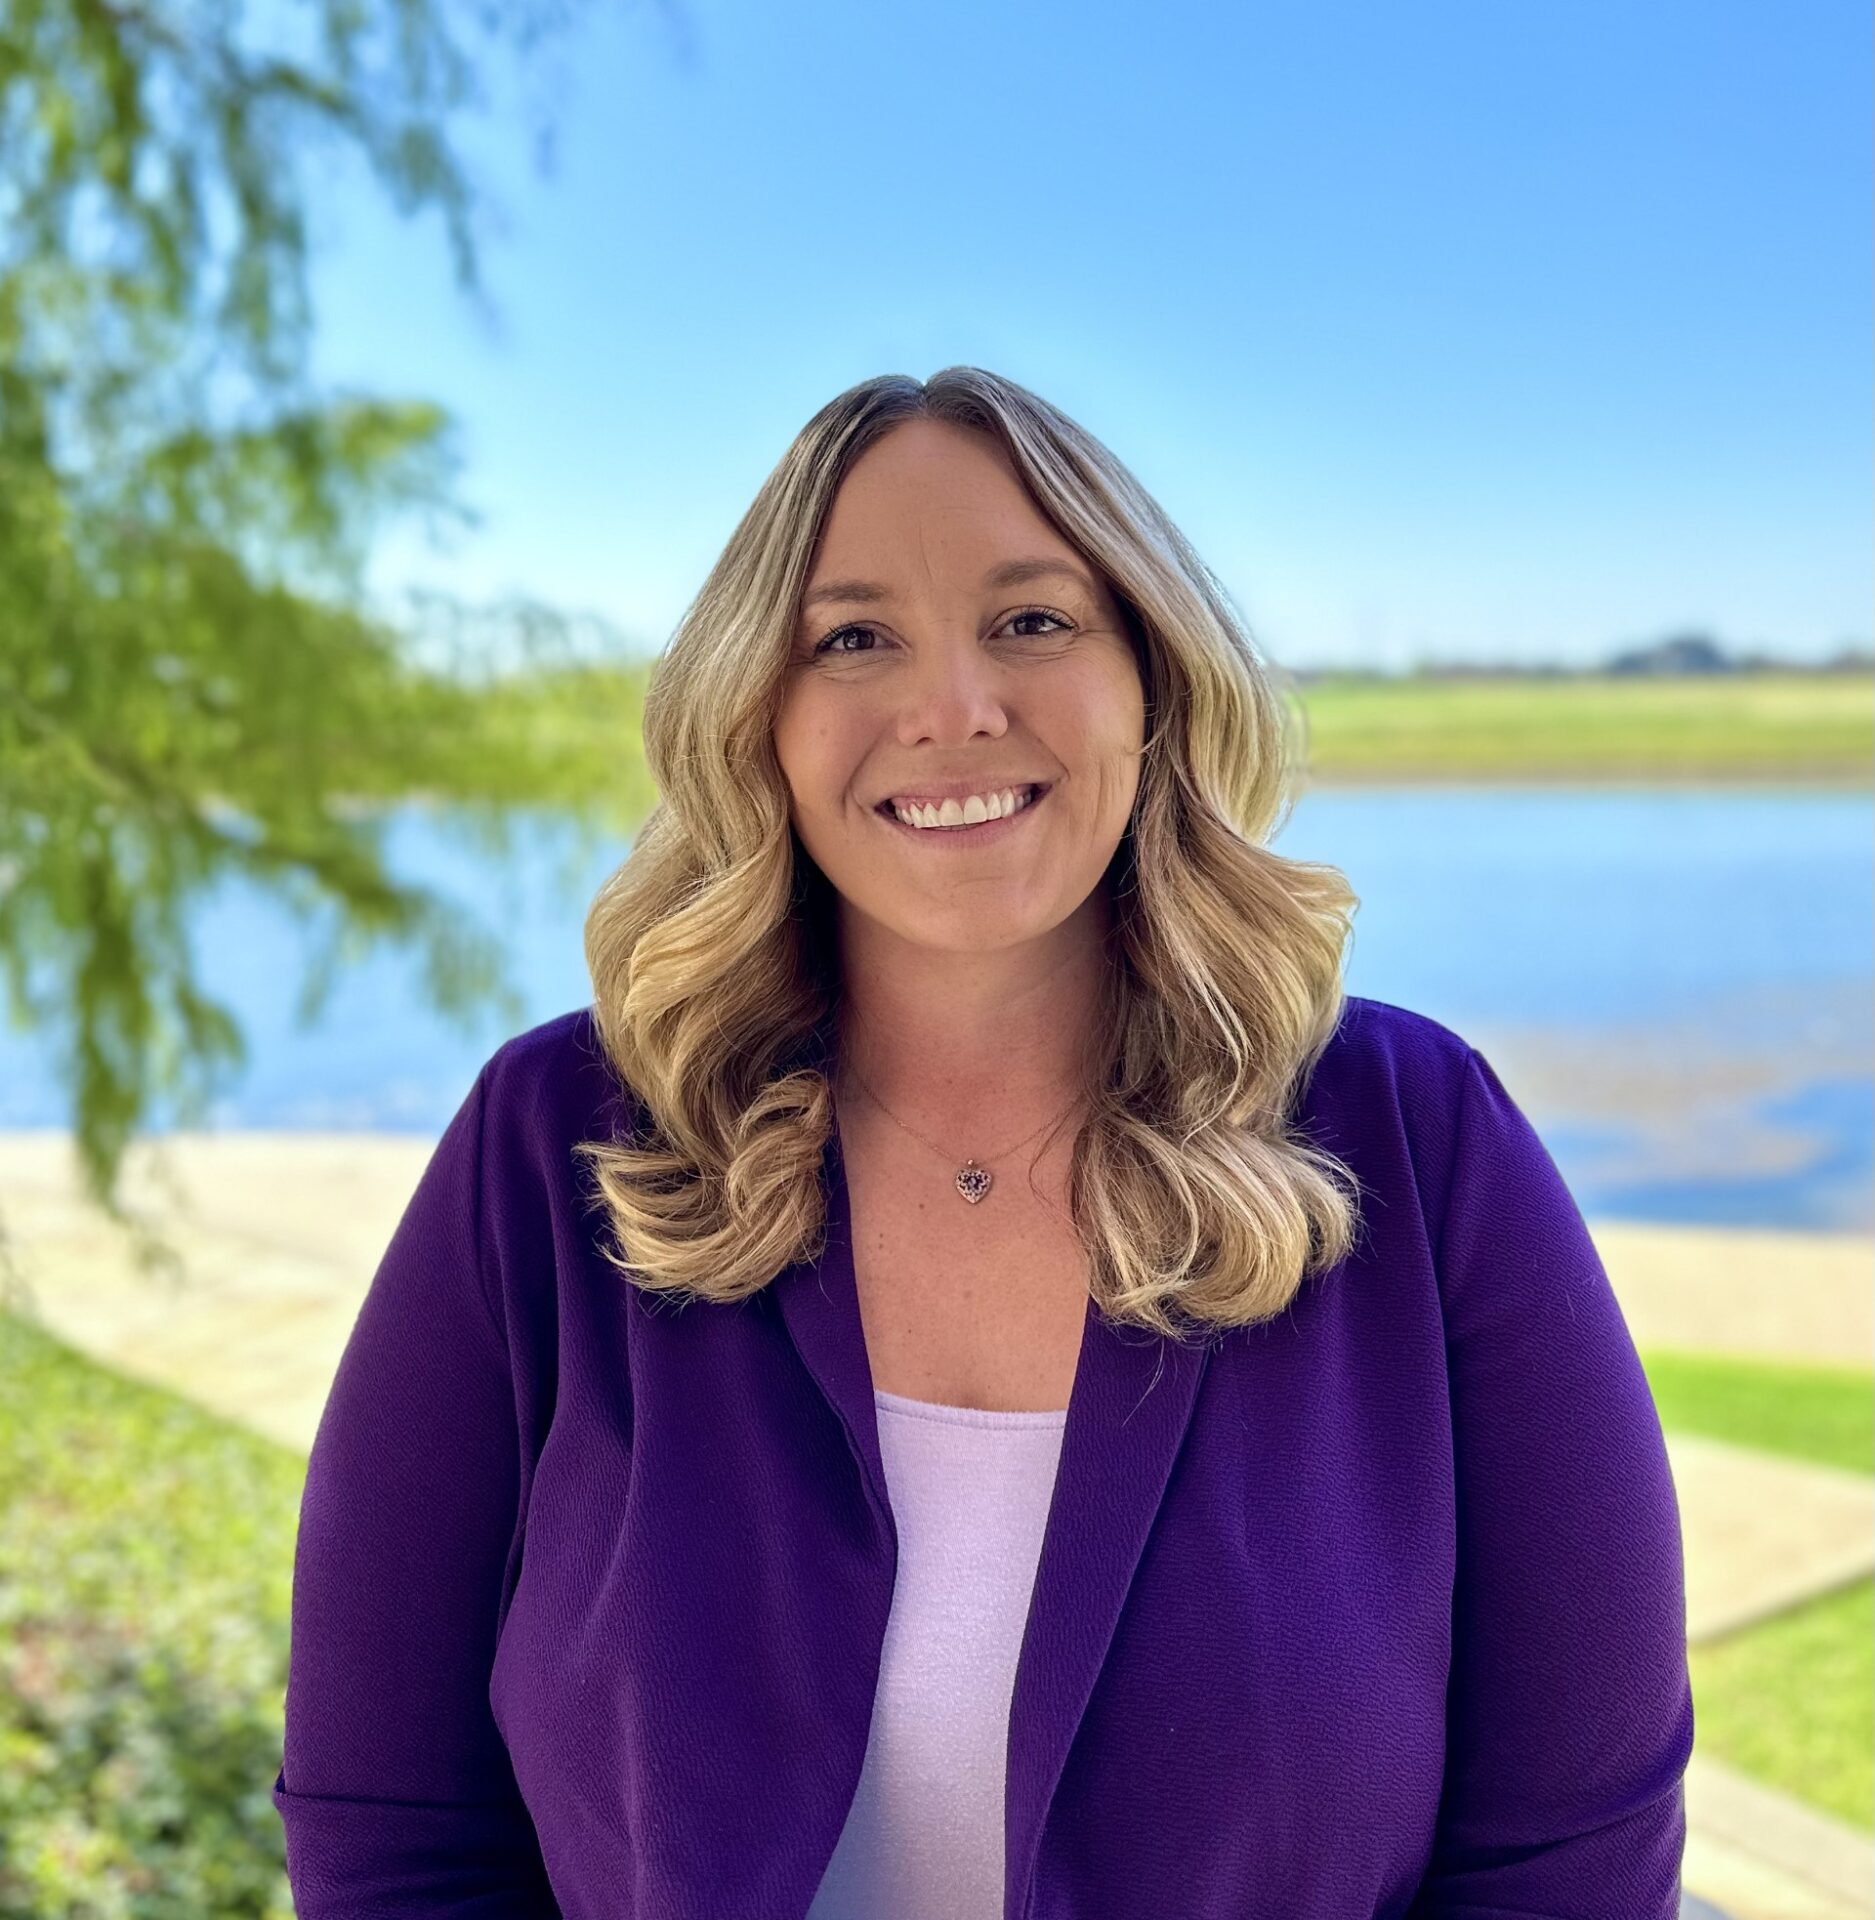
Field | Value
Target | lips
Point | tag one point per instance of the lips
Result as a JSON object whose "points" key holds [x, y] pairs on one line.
{"points": [[924, 797], [970, 833]]}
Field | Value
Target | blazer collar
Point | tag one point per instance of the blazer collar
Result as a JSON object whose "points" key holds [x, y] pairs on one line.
{"points": [[1128, 1411]]}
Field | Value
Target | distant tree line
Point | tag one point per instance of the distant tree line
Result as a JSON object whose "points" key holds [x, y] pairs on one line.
{"points": [[1674, 654], [1700, 653]]}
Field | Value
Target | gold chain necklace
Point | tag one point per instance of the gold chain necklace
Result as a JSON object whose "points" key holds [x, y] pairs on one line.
{"points": [[972, 1179]]}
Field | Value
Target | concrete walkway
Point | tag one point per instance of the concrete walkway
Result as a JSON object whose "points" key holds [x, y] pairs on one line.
{"points": [[282, 1234]]}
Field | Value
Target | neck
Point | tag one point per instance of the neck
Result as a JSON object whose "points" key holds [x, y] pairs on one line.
{"points": [[953, 1041]]}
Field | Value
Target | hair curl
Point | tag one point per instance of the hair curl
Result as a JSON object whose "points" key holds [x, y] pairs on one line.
{"points": [[712, 955]]}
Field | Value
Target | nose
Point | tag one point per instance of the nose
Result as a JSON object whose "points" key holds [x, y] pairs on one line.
{"points": [[953, 693]]}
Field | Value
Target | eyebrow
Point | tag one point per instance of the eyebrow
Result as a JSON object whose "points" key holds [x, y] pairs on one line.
{"points": [[1012, 573]]}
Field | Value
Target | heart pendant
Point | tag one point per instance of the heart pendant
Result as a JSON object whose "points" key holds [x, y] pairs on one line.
{"points": [[973, 1181]]}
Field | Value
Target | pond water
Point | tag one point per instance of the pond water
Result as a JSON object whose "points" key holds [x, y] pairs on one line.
{"points": [[1675, 984]]}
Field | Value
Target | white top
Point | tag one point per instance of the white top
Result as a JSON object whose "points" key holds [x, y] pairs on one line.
{"points": [[970, 1492]]}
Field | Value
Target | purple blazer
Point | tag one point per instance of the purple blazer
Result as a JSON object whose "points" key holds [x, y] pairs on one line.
{"points": [[1374, 1610]]}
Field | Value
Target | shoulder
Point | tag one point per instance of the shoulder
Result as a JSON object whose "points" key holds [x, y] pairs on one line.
{"points": [[553, 1083], [1387, 1067], [539, 1096], [1395, 1088], [1376, 1039], [1390, 1095]]}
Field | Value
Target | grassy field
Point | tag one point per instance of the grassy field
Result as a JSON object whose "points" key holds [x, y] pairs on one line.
{"points": [[1823, 1414], [146, 1553], [1816, 728], [145, 1585], [1788, 1702], [1792, 1700]]}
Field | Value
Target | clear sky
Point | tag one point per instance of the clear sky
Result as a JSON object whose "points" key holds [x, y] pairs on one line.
{"points": [[1451, 329]]}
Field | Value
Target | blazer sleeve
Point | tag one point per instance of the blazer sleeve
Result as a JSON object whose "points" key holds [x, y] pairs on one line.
{"points": [[395, 1788], [1569, 1714]]}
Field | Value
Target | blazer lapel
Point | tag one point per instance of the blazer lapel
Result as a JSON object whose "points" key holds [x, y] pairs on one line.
{"points": [[1128, 1411], [1132, 1401]]}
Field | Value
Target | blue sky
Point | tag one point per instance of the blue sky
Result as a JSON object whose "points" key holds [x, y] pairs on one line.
{"points": [[1447, 329]]}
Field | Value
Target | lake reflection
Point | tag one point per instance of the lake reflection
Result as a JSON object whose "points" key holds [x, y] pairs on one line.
{"points": [[1674, 983]]}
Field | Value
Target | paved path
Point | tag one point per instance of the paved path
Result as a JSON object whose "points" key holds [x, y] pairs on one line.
{"points": [[283, 1232]]}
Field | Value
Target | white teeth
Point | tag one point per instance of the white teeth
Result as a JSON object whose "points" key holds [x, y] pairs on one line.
{"points": [[971, 811]]}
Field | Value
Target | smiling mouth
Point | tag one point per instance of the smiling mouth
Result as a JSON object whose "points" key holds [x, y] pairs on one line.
{"points": [[1030, 797]]}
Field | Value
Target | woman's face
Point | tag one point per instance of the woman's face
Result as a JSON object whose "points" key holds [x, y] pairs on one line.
{"points": [[924, 668]]}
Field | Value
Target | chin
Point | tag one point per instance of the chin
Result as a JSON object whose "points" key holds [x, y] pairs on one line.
{"points": [[975, 932]]}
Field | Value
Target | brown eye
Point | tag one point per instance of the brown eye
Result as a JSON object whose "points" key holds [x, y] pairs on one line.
{"points": [[1038, 613], [838, 633]]}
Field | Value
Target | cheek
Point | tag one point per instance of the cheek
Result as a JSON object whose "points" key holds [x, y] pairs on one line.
{"points": [[820, 754], [1109, 722], [788, 737]]}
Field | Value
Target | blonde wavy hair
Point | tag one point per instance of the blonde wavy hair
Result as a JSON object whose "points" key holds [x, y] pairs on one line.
{"points": [[712, 954]]}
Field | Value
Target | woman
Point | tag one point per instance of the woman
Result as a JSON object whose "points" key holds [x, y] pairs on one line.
{"points": [[974, 1380]]}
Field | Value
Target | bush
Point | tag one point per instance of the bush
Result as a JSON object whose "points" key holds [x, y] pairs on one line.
{"points": [[145, 1591]]}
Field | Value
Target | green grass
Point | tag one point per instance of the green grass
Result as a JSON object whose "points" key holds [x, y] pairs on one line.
{"points": [[1774, 726], [1790, 1701], [145, 1579], [1821, 1414]]}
